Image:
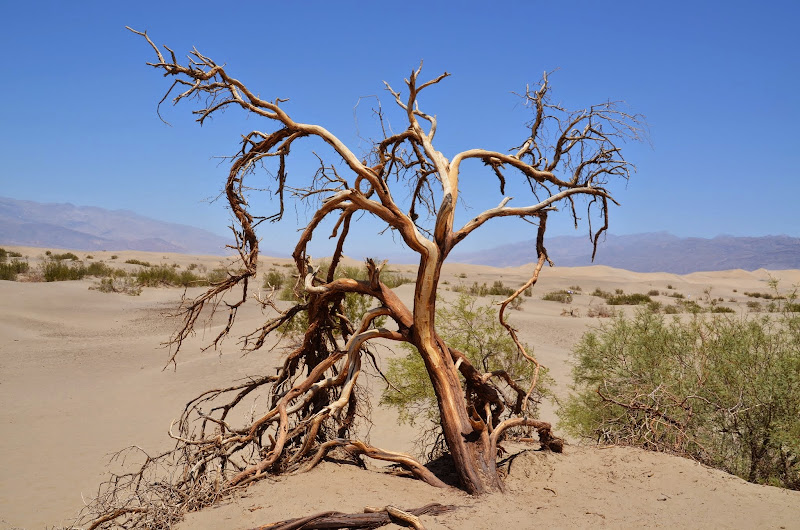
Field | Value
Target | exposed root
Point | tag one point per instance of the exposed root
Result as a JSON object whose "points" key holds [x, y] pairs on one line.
{"points": [[371, 518]]}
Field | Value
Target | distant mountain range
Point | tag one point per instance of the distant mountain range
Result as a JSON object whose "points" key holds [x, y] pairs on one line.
{"points": [[654, 252], [67, 226]]}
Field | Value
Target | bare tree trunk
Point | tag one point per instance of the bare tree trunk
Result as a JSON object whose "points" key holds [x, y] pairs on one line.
{"points": [[467, 439]]}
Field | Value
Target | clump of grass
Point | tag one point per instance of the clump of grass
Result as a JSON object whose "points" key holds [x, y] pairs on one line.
{"points": [[137, 262]]}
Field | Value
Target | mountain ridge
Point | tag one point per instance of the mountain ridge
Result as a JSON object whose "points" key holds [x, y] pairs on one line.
{"points": [[64, 225], [651, 252]]}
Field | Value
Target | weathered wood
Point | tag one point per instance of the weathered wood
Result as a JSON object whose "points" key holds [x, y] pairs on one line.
{"points": [[371, 519]]}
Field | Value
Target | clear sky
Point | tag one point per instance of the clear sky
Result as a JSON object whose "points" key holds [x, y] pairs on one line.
{"points": [[716, 81]]}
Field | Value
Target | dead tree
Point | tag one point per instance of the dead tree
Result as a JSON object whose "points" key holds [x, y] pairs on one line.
{"points": [[566, 155]]}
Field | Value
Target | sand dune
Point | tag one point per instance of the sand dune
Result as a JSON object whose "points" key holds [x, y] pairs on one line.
{"points": [[81, 376]]}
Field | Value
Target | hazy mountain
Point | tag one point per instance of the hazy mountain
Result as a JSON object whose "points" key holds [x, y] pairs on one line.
{"points": [[656, 252], [67, 226]]}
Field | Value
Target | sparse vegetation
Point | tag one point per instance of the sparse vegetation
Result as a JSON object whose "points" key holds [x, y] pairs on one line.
{"points": [[165, 276], [653, 292], [9, 270], [137, 262], [628, 299], [65, 256], [558, 296], [722, 390], [476, 289], [122, 285]]}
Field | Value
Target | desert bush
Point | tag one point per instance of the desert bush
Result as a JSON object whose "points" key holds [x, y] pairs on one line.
{"points": [[558, 296], [138, 262], [114, 256], [691, 306], [5, 254], [600, 311], [677, 295], [482, 289], [722, 309], [528, 292], [66, 255], [122, 285], [102, 270], [765, 296], [628, 299], [575, 288], [89, 256], [672, 309], [653, 292], [9, 270], [165, 276], [473, 329], [216, 275], [55, 270], [273, 280], [722, 390], [754, 306], [601, 293]]}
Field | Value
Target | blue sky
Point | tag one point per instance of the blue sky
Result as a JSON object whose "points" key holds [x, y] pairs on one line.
{"points": [[716, 81]]}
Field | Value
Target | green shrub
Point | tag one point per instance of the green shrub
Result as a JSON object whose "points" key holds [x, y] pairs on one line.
{"points": [[165, 276], [100, 270], [558, 296], [722, 390], [653, 292], [137, 262], [473, 329], [722, 309], [55, 270], [628, 299], [67, 255], [273, 280], [3, 255], [575, 288], [9, 271]]}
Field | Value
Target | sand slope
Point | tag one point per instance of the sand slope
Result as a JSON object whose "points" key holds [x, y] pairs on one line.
{"points": [[81, 377]]}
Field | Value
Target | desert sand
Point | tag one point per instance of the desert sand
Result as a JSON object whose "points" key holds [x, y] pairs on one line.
{"points": [[82, 375]]}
